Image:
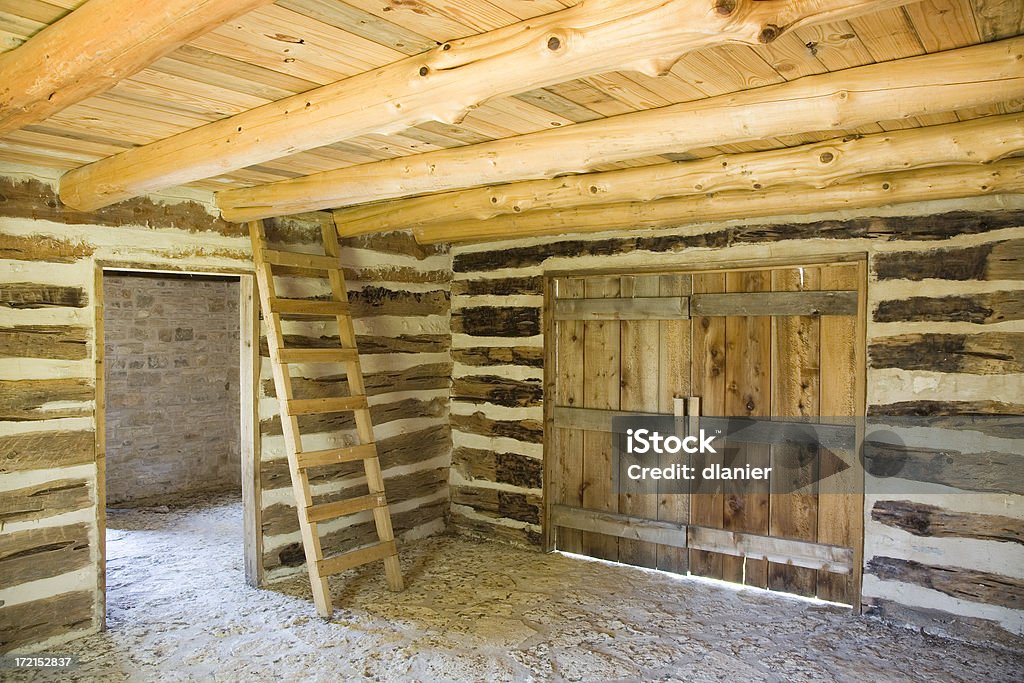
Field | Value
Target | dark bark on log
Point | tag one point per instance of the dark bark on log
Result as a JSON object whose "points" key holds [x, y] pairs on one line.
{"points": [[417, 378], [990, 353], [395, 243], [498, 390], [928, 520], [37, 200], [990, 472], [406, 343], [495, 321], [963, 584], [380, 414], [993, 261], [982, 309], [503, 468], [522, 507], [281, 519], [529, 356], [529, 431], [499, 286], [351, 537], [936, 408], [912, 228], [404, 449], [373, 301]]}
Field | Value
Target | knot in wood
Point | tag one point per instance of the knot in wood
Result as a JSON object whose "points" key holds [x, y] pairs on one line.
{"points": [[554, 43], [826, 157], [769, 33], [424, 71], [725, 7]]}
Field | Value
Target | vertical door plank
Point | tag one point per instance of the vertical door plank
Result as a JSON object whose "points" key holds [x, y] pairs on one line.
{"points": [[639, 370], [567, 489], [674, 381], [840, 505], [600, 390], [708, 377], [748, 393], [794, 394]]}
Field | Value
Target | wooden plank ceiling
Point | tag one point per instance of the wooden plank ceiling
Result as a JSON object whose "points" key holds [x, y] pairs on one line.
{"points": [[296, 45]]}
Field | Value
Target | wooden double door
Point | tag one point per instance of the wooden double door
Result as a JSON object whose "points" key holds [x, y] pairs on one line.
{"points": [[780, 342]]}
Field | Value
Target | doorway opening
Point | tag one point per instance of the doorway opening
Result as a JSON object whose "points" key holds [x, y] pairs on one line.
{"points": [[762, 344], [175, 382]]}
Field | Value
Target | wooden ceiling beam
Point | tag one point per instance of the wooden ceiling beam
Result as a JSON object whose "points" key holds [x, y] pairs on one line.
{"points": [[820, 164], [946, 81], [97, 45], [942, 182], [596, 36]]}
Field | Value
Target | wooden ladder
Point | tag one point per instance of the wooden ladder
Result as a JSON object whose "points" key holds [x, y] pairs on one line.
{"points": [[327, 266]]}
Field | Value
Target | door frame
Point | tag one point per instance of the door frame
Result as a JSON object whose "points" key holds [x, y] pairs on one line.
{"points": [[249, 441], [683, 267]]}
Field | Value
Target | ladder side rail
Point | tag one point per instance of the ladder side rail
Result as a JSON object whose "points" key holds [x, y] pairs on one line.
{"points": [[289, 423], [364, 423]]}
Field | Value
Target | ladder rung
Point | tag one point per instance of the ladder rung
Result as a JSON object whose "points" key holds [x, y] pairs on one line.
{"points": [[311, 406], [317, 355], [298, 260], [308, 306], [318, 513], [339, 563], [336, 456]]}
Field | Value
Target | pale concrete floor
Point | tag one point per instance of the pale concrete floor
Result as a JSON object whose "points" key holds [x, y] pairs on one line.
{"points": [[473, 611]]}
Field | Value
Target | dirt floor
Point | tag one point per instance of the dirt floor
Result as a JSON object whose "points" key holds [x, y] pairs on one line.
{"points": [[179, 610]]}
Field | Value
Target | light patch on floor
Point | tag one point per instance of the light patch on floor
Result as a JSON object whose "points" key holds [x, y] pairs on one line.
{"points": [[179, 610]]}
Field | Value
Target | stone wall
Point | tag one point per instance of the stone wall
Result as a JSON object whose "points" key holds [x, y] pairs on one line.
{"points": [[172, 385]]}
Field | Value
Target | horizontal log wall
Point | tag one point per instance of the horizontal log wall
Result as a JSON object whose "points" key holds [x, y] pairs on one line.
{"points": [[945, 336], [50, 538], [400, 294], [50, 534]]}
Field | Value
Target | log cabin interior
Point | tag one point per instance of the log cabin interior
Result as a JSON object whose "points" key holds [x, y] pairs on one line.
{"points": [[321, 320]]}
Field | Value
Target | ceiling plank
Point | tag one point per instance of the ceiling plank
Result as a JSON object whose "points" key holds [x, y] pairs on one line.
{"points": [[361, 23], [941, 182], [944, 81], [446, 82], [816, 165], [97, 45], [944, 24], [282, 40]]}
